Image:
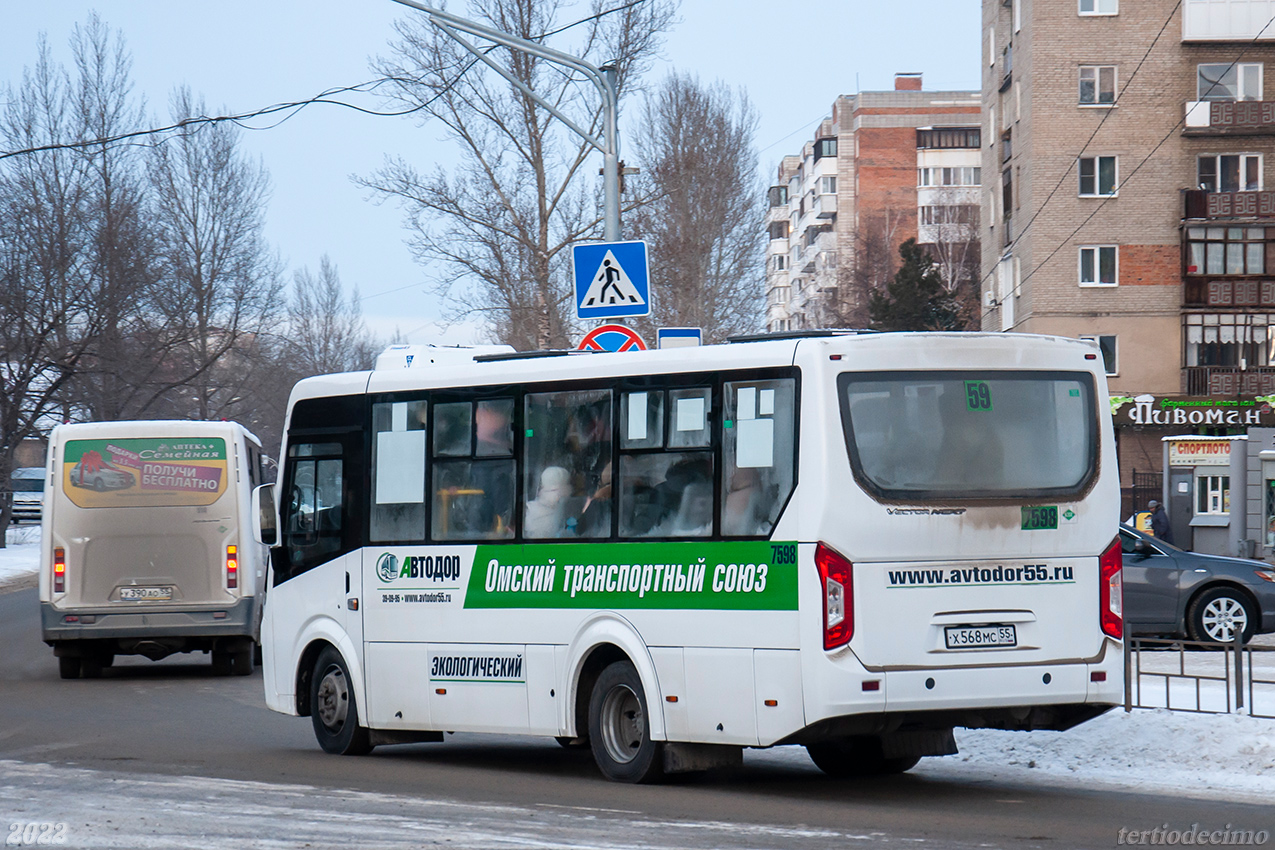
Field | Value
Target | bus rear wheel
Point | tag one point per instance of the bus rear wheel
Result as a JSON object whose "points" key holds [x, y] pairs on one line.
{"points": [[333, 711], [619, 731], [856, 756]]}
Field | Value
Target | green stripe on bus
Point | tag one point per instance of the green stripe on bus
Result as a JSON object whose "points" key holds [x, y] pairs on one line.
{"points": [[707, 575]]}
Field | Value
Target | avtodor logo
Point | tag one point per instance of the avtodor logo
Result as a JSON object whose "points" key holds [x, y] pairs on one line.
{"points": [[431, 567], [387, 567]]}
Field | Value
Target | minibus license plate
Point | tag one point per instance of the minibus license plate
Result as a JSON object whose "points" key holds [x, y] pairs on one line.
{"points": [[971, 637], [158, 594]]}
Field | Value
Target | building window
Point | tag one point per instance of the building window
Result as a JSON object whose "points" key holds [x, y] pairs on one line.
{"points": [[1099, 265], [1007, 145], [1099, 7], [1097, 85], [1213, 494], [948, 214], [947, 138], [827, 185], [1007, 194], [825, 147], [778, 196], [1226, 250], [1107, 345], [778, 230], [960, 176], [1230, 172], [1098, 176], [1229, 339], [781, 262], [1229, 81]]}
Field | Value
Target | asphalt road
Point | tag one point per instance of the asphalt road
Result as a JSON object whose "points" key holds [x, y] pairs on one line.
{"points": [[165, 755]]}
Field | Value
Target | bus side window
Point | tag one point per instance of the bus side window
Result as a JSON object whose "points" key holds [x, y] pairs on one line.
{"points": [[666, 493], [567, 465], [313, 507], [473, 478], [397, 512], [758, 434]]}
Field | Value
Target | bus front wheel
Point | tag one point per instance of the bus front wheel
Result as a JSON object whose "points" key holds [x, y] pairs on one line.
{"points": [[619, 731], [332, 708], [856, 756]]}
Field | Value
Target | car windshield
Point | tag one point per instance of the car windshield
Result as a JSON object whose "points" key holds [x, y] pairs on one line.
{"points": [[970, 435]]}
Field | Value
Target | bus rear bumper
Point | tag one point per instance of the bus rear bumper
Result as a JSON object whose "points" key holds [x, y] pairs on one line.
{"points": [[236, 620]]}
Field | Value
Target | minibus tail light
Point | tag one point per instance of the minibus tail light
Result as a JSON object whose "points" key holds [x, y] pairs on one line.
{"points": [[1111, 590], [836, 581], [59, 570], [232, 566]]}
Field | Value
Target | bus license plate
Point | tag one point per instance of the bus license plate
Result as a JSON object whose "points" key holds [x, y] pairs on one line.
{"points": [[151, 594], [972, 637]]}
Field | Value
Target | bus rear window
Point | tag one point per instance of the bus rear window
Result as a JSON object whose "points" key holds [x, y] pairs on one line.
{"points": [[970, 435]]}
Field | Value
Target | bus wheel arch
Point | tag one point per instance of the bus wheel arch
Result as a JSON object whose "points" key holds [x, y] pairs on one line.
{"points": [[602, 641]]}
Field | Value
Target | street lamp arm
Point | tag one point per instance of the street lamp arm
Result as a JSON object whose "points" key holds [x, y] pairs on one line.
{"points": [[604, 79], [518, 84]]}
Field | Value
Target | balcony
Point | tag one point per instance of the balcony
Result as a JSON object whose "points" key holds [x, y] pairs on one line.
{"points": [[1227, 20], [1229, 117], [1228, 293], [1228, 380], [825, 206], [1201, 204]]}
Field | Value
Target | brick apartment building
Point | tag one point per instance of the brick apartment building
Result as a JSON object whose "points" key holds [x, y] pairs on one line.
{"points": [[1125, 151], [885, 167]]}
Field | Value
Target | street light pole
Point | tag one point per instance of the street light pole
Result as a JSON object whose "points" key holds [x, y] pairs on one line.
{"points": [[603, 79]]}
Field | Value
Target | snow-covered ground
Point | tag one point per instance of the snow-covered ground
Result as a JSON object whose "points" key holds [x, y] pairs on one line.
{"points": [[20, 559]]}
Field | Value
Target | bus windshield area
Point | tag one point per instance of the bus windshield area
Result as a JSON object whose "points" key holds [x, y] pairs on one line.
{"points": [[970, 435]]}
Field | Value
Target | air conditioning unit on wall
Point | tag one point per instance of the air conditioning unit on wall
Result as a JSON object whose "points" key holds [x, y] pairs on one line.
{"points": [[989, 299]]}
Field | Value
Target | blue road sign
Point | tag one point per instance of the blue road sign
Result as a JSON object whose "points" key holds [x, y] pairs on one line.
{"points": [[611, 279]]}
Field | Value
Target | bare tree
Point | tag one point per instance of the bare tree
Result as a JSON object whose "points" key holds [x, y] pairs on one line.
{"points": [[955, 248], [48, 316], [873, 259], [112, 383], [500, 225], [704, 217], [220, 284], [326, 332]]}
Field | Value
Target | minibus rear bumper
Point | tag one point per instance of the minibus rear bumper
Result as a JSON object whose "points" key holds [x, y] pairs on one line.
{"points": [[237, 619]]}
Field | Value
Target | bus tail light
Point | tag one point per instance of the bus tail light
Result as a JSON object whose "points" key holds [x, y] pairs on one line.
{"points": [[59, 570], [836, 579], [1111, 591], [232, 567]]}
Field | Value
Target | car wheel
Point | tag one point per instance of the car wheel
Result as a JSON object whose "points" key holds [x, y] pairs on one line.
{"points": [[619, 731], [856, 756], [1217, 614], [98, 484], [333, 711], [241, 660]]}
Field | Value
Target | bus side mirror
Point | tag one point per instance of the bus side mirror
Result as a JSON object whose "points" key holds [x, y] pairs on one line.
{"points": [[265, 523]]}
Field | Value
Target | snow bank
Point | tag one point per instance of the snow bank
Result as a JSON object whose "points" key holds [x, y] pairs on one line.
{"points": [[21, 556], [1220, 756]]}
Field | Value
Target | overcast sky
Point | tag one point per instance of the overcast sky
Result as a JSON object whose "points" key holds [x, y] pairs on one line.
{"points": [[793, 58]]}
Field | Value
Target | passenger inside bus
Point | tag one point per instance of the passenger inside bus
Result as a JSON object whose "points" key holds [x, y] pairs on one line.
{"points": [[546, 514]]}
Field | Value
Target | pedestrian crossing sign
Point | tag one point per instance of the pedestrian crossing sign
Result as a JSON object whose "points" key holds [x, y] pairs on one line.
{"points": [[611, 279]]}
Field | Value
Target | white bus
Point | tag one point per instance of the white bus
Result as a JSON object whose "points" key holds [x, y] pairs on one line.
{"points": [[147, 545], [853, 543]]}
